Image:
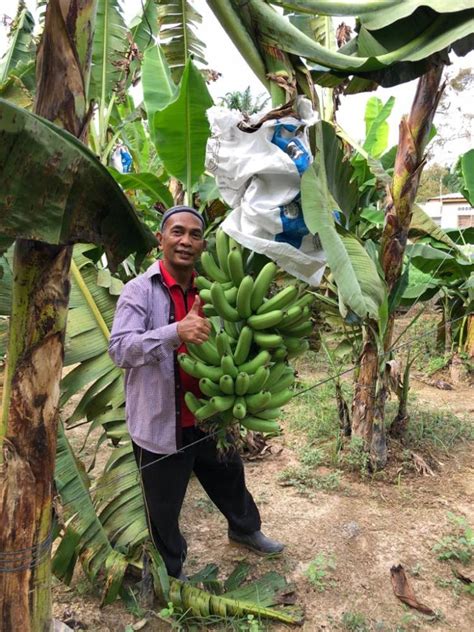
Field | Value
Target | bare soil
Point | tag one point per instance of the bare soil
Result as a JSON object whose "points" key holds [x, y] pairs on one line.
{"points": [[365, 525]]}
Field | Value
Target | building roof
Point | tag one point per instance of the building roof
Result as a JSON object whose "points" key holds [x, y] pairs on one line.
{"points": [[448, 197]]}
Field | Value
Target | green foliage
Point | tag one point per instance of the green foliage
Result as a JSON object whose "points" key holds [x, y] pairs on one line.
{"points": [[319, 572], [459, 544], [354, 622], [432, 182], [21, 44], [356, 458]]}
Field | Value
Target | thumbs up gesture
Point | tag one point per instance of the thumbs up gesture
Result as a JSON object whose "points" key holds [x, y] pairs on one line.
{"points": [[193, 327]]}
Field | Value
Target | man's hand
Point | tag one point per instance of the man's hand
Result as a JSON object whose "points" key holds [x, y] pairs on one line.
{"points": [[193, 327]]}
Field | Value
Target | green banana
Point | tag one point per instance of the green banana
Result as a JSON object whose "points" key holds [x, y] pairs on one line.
{"points": [[202, 283], [242, 382], [222, 305], [276, 372], [244, 296], [281, 398], [231, 295], [280, 300], [269, 413], [252, 365], [242, 348], [291, 343], [223, 344], [211, 268], [258, 401], [258, 380], [231, 329], [199, 369], [209, 388], [204, 412], [302, 330], [192, 402], [265, 321], [261, 284], [267, 341], [292, 315], [205, 295], [304, 346], [260, 425], [305, 301], [228, 367], [222, 402], [280, 353], [234, 244], [226, 384], [288, 379], [222, 250], [209, 310], [205, 352], [240, 408], [303, 318], [236, 266]]}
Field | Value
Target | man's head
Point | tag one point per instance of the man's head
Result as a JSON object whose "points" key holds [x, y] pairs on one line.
{"points": [[181, 237]]}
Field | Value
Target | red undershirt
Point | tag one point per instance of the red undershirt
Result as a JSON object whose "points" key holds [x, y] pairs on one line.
{"points": [[182, 304]]}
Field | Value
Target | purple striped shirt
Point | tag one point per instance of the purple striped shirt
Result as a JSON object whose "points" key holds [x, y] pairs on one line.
{"points": [[143, 342]]}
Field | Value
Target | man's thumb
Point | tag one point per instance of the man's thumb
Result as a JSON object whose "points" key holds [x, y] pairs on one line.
{"points": [[196, 305]]}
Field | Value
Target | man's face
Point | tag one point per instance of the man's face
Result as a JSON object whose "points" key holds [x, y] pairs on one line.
{"points": [[182, 241]]}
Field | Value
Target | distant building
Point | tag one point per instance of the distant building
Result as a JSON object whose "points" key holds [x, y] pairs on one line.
{"points": [[450, 211]]}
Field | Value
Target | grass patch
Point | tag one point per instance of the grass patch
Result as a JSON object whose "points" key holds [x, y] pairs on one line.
{"points": [[306, 481], [435, 428], [458, 546], [354, 622], [319, 572]]}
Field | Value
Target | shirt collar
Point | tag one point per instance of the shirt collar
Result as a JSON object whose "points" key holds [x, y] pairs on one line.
{"points": [[168, 278]]}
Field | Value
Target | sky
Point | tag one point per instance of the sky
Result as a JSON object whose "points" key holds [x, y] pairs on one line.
{"points": [[236, 75]]}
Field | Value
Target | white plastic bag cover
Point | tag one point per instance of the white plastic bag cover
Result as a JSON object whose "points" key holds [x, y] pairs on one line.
{"points": [[259, 176]]}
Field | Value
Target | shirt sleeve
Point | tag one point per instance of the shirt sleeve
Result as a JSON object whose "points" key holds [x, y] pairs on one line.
{"points": [[131, 344]]}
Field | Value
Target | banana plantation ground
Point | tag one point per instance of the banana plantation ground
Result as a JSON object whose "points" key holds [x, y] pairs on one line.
{"points": [[344, 529]]}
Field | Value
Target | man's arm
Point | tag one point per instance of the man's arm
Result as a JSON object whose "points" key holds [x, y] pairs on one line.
{"points": [[131, 344]]}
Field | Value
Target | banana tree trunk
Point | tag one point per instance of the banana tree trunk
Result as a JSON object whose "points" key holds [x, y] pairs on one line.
{"points": [[469, 344], [409, 162], [36, 346]]}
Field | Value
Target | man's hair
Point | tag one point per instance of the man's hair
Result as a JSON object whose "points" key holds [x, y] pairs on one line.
{"points": [[181, 209]]}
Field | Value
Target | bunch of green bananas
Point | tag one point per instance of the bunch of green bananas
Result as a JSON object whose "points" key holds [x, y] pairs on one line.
{"points": [[243, 371]]}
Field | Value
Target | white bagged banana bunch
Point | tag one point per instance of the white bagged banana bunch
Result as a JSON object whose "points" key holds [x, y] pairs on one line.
{"points": [[243, 371]]}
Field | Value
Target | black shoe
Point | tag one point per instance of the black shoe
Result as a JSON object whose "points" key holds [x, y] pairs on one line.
{"points": [[182, 577], [257, 542]]}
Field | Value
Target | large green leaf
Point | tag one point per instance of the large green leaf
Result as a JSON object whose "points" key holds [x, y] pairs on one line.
{"points": [[144, 26], [109, 48], [360, 287], [376, 126], [467, 174], [438, 33], [178, 21], [439, 263], [180, 131], [55, 190], [85, 536], [21, 45], [421, 223], [150, 184], [159, 89]]}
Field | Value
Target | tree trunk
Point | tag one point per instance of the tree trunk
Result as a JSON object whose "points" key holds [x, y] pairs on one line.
{"points": [[35, 351], [469, 344], [409, 162]]}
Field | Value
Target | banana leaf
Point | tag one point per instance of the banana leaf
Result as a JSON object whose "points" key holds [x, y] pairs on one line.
{"points": [[180, 131], [84, 536], [148, 183], [55, 190], [359, 284], [422, 224], [144, 26], [439, 263], [467, 174], [159, 89], [109, 48], [178, 21], [21, 45]]}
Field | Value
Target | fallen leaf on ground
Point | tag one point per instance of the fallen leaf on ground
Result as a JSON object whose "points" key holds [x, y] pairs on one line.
{"points": [[404, 591]]}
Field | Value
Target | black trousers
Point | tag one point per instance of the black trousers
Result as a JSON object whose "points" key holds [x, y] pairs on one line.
{"points": [[164, 486]]}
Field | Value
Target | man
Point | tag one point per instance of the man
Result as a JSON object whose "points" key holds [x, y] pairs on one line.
{"points": [[157, 314]]}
